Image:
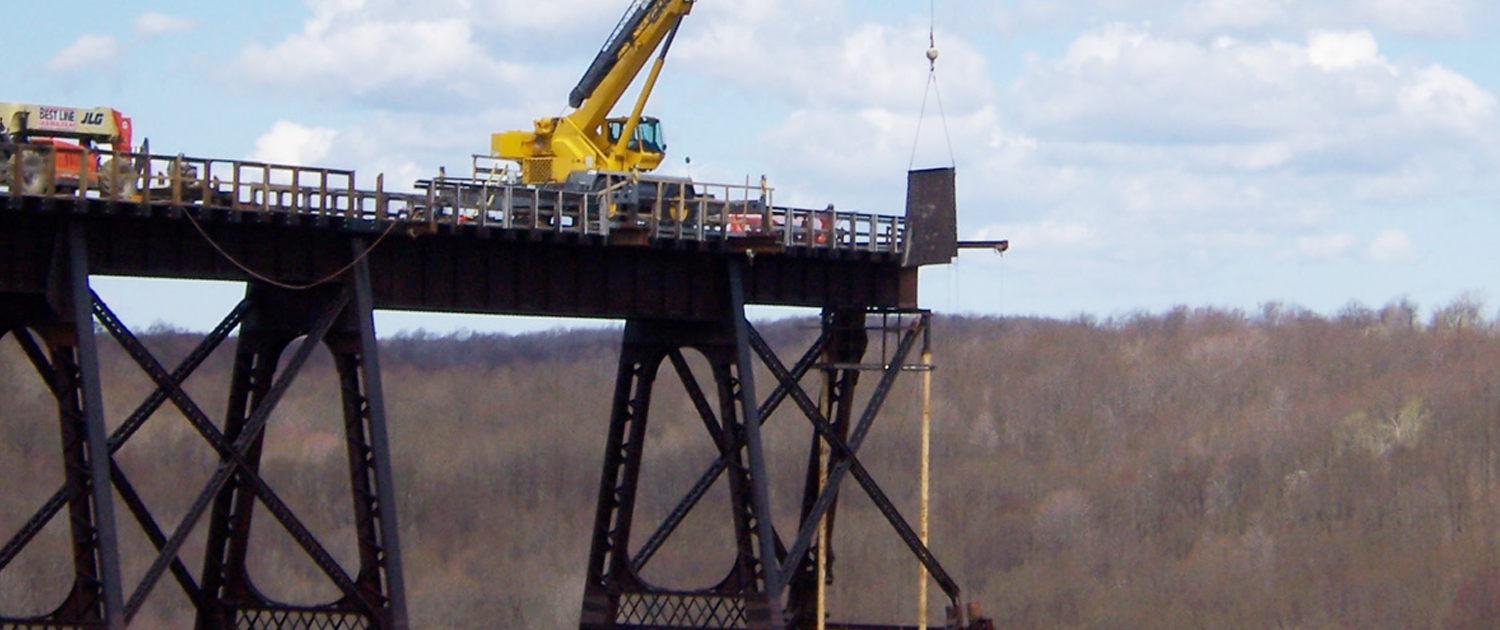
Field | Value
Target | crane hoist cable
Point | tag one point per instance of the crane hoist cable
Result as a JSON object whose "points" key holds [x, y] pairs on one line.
{"points": [[932, 90]]}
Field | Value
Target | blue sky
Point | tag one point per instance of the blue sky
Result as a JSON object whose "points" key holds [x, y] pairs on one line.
{"points": [[1139, 154]]}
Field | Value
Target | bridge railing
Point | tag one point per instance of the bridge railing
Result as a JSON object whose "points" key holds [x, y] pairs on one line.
{"points": [[658, 207]]}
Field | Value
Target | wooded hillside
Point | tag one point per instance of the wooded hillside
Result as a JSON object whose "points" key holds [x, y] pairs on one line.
{"points": [[1192, 469]]}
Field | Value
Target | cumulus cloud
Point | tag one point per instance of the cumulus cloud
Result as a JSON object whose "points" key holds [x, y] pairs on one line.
{"points": [[444, 55], [1184, 154], [1332, 104], [402, 146], [1392, 246], [432, 61], [1334, 51], [89, 52], [291, 143], [838, 95], [152, 24]]}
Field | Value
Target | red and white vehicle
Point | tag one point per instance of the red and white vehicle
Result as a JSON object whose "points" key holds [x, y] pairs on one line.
{"points": [[71, 140]]}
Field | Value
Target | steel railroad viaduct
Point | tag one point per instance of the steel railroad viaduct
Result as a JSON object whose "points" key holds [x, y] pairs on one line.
{"points": [[319, 254]]}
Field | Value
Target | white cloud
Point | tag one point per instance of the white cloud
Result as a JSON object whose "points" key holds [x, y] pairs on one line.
{"points": [[1392, 246], [89, 52], [424, 63], [437, 56], [294, 144], [1332, 104], [152, 24], [1183, 154], [1439, 97], [404, 147], [1333, 51]]}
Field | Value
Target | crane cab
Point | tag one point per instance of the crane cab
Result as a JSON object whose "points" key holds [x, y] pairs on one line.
{"points": [[647, 138]]}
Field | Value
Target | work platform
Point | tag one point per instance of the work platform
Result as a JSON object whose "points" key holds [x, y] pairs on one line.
{"points": [[319, 254]]}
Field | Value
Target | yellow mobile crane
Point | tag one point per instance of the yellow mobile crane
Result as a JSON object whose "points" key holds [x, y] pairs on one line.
{"points": [[588, 139]]}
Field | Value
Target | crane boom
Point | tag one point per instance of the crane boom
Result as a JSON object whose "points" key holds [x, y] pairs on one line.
{"points": [[588, 138], [609, 55]]}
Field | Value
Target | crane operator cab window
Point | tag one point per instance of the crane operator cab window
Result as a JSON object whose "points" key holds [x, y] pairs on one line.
{"points": [[647, 137]]}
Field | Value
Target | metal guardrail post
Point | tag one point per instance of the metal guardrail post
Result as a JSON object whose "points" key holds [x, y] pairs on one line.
{"points": [[83, 171], [265, 188], [432, 206], [209, 186], [508, 207], [382, 212], [234, 182], [174, 179]]}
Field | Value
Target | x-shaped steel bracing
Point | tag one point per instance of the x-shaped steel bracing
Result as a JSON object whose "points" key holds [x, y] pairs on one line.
{"points": [[845, 460]]}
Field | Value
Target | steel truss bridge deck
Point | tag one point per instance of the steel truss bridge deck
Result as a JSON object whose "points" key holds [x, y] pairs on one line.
{"points": [[318, 259]]}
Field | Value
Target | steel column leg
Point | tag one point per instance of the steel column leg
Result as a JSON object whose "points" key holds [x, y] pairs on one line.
{"points": [[70, 367], [848, 339], [95, 434], [765, 610], [380, 577], [609, 572]]}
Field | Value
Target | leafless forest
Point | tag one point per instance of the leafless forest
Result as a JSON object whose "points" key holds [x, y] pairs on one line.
{"points": [[1190, 469]]}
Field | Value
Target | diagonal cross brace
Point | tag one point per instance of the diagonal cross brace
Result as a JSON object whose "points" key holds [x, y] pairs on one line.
{"points": [[719, 465], [842, 449], [836, 473], [700, 401], [721, 439], [117, 477], [124, 432], [253, 428], [153, 531], [220, 444]]}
